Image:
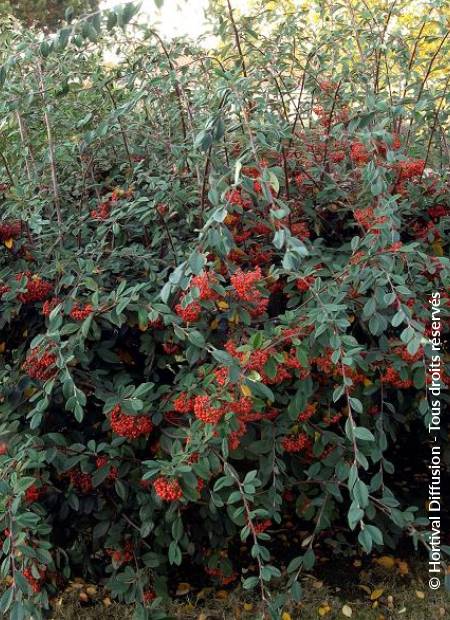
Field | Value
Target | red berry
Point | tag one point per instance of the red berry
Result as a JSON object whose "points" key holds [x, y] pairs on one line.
{"points": [[168, 490], [129, 426]]}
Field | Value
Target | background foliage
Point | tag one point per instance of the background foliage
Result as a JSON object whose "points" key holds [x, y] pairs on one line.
{"points": [[215, 277], [46, 14]]}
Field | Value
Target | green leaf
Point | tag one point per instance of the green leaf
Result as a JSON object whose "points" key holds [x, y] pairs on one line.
{"points": [[354, 515], [360, 432]]}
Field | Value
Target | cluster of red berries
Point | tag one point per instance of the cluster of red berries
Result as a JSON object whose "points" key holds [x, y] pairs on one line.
{"points": [[190, 313], [102, 461], [259, 358], [35, 582], [167, 489], [332, 419], [80, 481], [262, 526], [326, 118], [149, 596], [297, 443], [203, 282], [234, 197], [392, 377], [171, 348], [217, 573], [103, 211], [307, 412], [183, 403], [129, 426], [359, 154], [204, 411], [244, 284], [32, 494], [37, 289], [300, 230], [438, 211], [40, 365], [409, 169], [80, 312], [367, 219], [122, 556], [305, 283], [234, 438], [222, 375], [10, 230], [50, 305]]}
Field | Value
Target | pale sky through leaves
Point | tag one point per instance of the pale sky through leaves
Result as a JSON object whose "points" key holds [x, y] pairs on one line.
{"points": [[176, 17]]}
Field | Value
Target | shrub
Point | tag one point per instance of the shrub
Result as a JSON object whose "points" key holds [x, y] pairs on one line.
{"points": [[215, 295]]}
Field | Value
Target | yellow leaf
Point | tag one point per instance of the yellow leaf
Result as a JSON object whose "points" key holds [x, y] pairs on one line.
{"points": [[248, 606], [324, 610], [182, 589], [347, 611], [10, 242], [420, 594], [403, 567], [234, 319], [286, 616], [376, 594], [246, 391], [223, 305], [214, 324], [436, 245], [386, 561], [204, 593]]}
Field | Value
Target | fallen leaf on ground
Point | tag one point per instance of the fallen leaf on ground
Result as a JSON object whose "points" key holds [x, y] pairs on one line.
{"points": [[324, 610], [386, 561], [182, 589], [403, 567], [222, 594], [376, 594], [347, 611], [420, 594]]}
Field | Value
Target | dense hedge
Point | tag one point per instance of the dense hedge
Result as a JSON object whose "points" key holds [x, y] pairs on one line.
{"points": [[215, 281]]}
